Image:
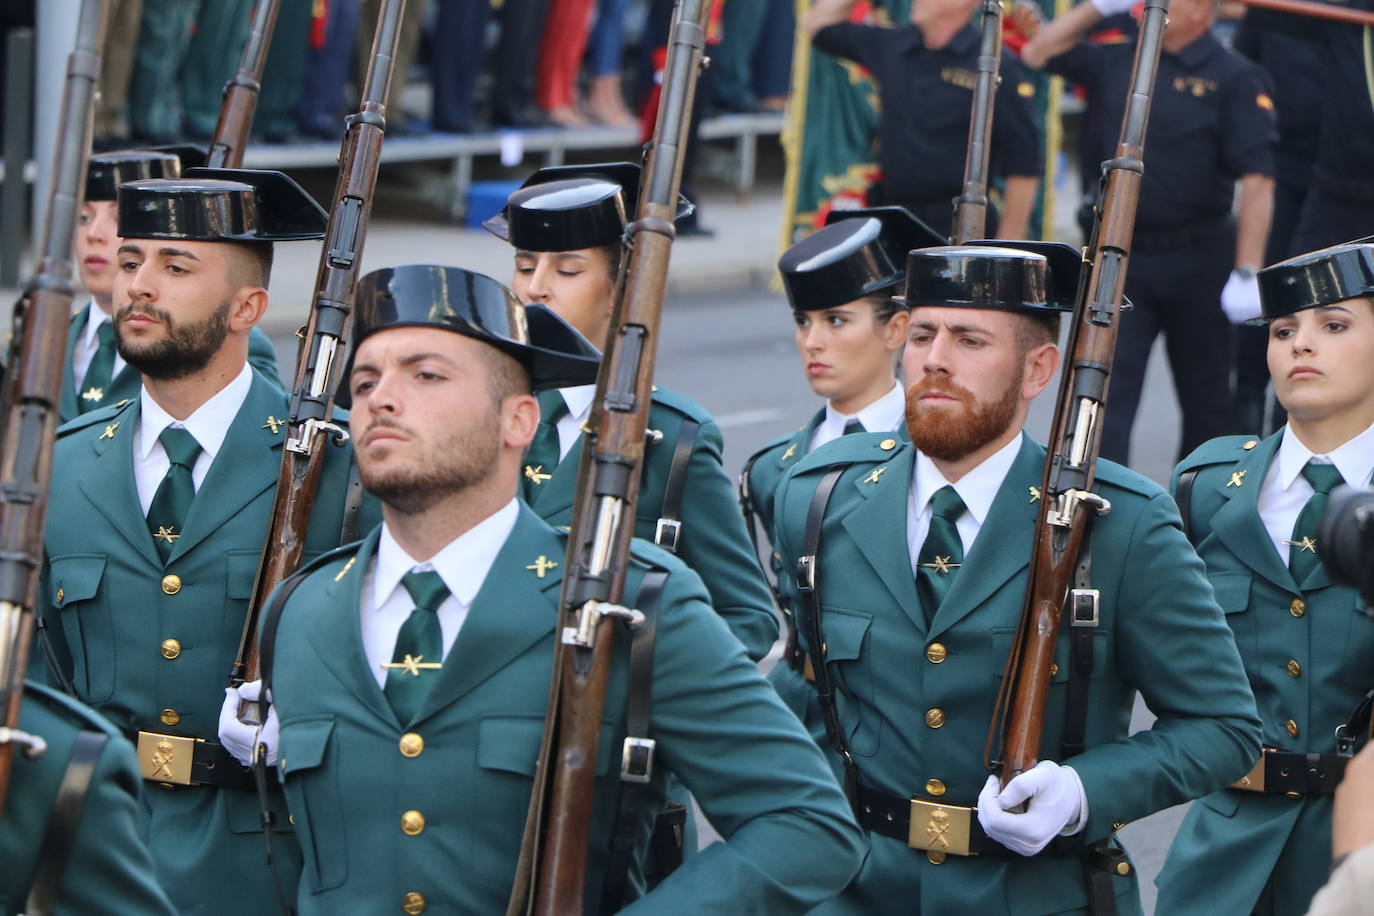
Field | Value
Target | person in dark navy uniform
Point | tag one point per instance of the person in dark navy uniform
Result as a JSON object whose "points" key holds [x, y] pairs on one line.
{"points": [[926, 73], [1297, 71], [95, 374], [1192, 265], [840, 282]]}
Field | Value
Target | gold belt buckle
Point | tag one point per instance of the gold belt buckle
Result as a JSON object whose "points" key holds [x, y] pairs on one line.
{"points": [[940, 828], [166, 758], [1253, 781]]}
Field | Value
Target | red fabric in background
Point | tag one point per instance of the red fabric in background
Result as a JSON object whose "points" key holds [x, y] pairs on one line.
{"points": [[560, 52], [319, 24]]}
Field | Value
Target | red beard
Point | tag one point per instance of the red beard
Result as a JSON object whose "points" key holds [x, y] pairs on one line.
{"points": [[949, 433]]}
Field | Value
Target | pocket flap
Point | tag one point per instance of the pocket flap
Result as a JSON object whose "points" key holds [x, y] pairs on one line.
{"points": [[303, 743], [844, 634], [75, 578], [1232, 590], [511, 744], [241, 572]]}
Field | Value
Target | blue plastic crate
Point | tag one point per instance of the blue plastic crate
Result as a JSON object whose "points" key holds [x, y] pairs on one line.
{"points": [[485, 200]]}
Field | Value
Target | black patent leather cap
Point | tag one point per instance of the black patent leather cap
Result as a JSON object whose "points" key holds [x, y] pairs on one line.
{"points": [[1318, 278], [105, 172], [560, 218], [837, 264], [220, 205], [978, 277], [902, 229], [476, 306], [1064, 264]]}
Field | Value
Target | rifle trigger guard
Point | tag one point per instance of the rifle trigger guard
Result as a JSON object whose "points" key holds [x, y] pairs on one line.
{"points": [[31, 746], [584, 634]]}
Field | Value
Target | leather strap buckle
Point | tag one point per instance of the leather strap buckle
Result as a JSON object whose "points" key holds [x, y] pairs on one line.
{"points": [[637, 759], [667, 533]]}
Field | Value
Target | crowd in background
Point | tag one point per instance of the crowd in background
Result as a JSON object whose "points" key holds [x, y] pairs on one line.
{"points": [[487, 63]]}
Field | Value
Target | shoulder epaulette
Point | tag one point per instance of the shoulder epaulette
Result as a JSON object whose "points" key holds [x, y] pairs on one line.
{"points": [[70, 708], [648, 555], [855, 448], [777, 443], [91, 418], [1123, 478], [680, 403], [1221, 450], [342, 552]]}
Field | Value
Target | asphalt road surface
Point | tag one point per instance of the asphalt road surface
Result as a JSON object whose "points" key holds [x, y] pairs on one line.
{"points": [[733, 353]]}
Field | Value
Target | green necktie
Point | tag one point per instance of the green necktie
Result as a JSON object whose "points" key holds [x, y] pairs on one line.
{"points": [[1302, 550], [419, 646], [942, 553], [853, 426], [172, 501], [542, 456], [100, 372]]}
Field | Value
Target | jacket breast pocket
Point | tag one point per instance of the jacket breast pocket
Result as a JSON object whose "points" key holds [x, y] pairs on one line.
{"points": [[1232, 590], [507, 753], [847, 655], [74, 584], [310, 776]]}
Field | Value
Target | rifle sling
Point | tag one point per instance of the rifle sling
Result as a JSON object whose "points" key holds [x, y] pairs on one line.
{"points": [[668, 532], [353, 501], [636, 765], [749, 509], [60, 838], [809, 590], [1081, 628], [1183, 495]]}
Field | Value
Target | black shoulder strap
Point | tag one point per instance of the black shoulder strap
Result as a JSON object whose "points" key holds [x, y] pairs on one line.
{"points": [[749, 509], [669, 530], [1183, 495], [1084, 612], [57, 669], [809, 590], [353, 501], [271, 619], [60, 838], [637, 755]]}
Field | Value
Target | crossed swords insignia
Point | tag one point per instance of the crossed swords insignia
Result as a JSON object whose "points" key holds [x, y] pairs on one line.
{"points": [[412, 664]]}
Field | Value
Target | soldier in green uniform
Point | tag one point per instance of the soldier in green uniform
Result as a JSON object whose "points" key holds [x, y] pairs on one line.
{"points": [[158, 511], [1252, 508], [567, 226], [411, 671], [911, 567], [96, 374], [840, 283], [70, 836]]}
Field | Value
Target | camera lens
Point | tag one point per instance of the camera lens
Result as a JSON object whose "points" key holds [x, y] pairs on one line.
{"points": [[1346, 535]]}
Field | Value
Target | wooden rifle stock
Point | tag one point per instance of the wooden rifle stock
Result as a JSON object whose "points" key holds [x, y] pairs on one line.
{"points": [[1067, 498], [240, 101], [33, 385], [971, 206], [552, 869], [308, 426]]}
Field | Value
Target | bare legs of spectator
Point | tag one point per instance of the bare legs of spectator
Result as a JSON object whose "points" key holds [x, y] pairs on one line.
{"points": [[606, 97]]}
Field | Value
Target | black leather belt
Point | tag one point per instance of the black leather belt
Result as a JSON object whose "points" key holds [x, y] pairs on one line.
{"points": [[1156, 240], [178, 760], [1286, 773]]}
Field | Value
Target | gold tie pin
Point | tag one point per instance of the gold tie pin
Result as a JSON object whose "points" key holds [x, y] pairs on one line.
{"points": [[941, 564], [93, 394], [1305, 544], [412, 664]]}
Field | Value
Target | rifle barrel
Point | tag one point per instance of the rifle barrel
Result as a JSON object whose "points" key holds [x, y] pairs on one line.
{"points": [[971, 206]]}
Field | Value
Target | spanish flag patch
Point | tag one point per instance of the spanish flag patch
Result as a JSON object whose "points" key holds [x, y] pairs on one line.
{"points": [[1025, 90], [1263, 101]]}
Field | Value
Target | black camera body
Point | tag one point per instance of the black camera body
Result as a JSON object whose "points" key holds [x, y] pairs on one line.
{"points": [[1346, 536]]}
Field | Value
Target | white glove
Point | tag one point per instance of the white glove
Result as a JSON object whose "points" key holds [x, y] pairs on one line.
{"points": [[1056, 805], [238, 738], [1240, 298], [1109, 8]]}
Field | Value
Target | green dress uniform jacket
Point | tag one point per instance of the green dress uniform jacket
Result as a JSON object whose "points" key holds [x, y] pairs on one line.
{"points": [[109, 871], [713, 540], [429, 813], [915, 699], [758, 481], [1307, 649], [262, 356], [150, 646]]}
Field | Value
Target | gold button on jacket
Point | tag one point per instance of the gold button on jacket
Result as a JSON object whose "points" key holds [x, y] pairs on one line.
{"points": [[171, 584], [171, 648], [936, 653], [413, 903], [935, 787], [411, 744], [412, 823], [935, 718], [170, 717], [1298, 607]]}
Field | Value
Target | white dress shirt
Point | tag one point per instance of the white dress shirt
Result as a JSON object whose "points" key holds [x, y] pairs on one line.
{"points": [[209, 425], [978, 488], [385, 604], [885, 414], [1285, 491], [579, 400], [87, 342]]}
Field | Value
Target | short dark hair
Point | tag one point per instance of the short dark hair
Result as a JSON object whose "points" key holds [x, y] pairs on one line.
{"points": [[250, 264], [1037, 329], [506, 377], [884, 306]]}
